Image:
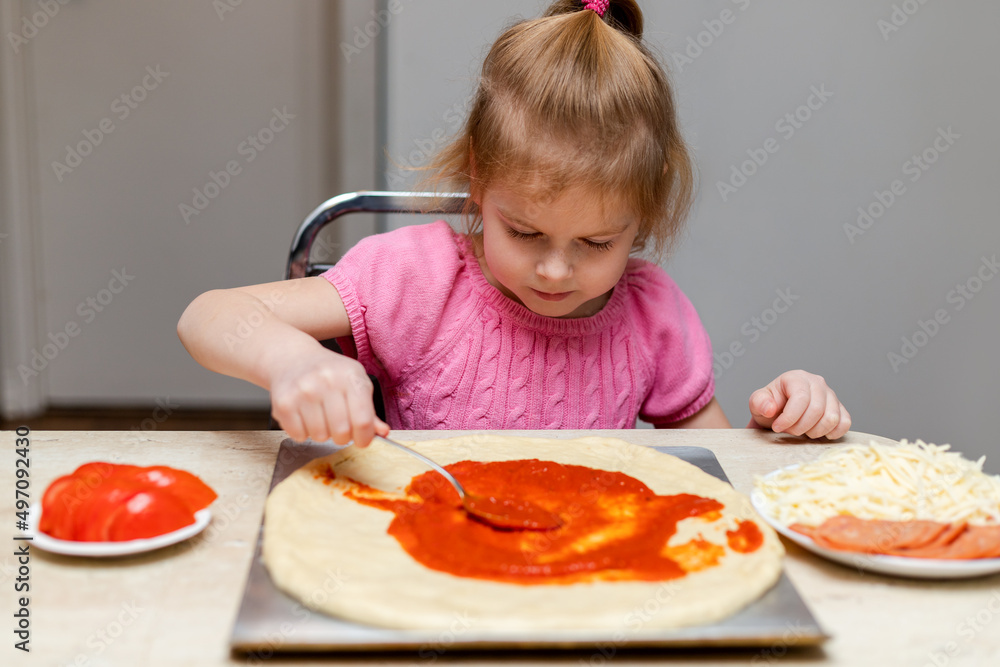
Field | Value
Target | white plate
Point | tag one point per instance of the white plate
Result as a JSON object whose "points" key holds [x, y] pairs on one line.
{"points": [[106, 549], [898, 566]]}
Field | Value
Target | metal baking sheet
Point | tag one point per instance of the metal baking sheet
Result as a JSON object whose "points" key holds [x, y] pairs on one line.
{"points": [[270, 622]]}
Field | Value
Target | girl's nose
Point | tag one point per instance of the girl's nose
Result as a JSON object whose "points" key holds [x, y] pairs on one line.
{"points": [[554, 266]]}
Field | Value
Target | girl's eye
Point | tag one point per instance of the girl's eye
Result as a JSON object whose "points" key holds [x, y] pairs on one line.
{"points": [[594, 245], [598, 246], [513, 233]]}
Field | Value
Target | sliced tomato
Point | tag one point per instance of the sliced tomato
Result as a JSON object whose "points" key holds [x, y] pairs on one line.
{"points": [[97, 472], [56, 512], [93, 519], [188, 488], [148, 513], [103, 501]]}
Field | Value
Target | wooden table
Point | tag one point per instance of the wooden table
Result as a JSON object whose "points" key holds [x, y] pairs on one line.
{"points": [[176, 606]]}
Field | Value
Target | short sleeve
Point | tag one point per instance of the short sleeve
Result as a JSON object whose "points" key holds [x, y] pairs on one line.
{"points": [[674, 344], [394, 287]]}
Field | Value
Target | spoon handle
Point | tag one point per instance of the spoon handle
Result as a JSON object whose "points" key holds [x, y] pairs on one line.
{"points": [[447, 475]]}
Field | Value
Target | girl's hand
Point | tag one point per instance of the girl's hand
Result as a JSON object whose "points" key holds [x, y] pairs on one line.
{"points": [[799, 403], [321, 395]]}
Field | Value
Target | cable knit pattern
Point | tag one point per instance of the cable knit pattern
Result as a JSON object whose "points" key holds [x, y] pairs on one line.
{"points": [[593, 372], [554, 381], [518, 396], [481, 403], [622, 381], [452, 352]]}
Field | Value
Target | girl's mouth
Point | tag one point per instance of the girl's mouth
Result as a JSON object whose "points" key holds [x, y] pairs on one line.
{"points": [[548, 296]]}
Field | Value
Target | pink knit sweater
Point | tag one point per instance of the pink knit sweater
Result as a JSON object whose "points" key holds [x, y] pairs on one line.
{"points": [[452, 352]]}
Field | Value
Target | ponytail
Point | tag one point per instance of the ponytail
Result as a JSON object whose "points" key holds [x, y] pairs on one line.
{"points": [[623, 15]]}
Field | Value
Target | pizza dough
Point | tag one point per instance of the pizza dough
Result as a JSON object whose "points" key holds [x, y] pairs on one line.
{"points": [[334, 555]]}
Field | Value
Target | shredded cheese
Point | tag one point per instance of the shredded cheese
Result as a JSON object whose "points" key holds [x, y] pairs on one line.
{"points": [[893, 482]]}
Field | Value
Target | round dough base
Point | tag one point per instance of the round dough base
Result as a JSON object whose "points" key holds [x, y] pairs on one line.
{"points": [[334, 555]]}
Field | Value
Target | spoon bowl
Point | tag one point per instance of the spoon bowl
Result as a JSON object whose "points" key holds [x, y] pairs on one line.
{"points": [[503, 513]]}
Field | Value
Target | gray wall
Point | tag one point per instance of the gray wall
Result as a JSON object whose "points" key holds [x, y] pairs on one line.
{"points": [[855, 292]]}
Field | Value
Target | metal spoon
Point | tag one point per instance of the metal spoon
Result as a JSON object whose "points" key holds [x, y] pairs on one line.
{"points": [[500, 513]]}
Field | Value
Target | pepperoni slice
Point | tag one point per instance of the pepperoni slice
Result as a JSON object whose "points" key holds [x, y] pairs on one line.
{"points": [[814, 533], [995, 532], [928, 550], [913, 539], [913, 534], [867, 536], [849, 533], [949, 535], [808, 531], [974, 542]]}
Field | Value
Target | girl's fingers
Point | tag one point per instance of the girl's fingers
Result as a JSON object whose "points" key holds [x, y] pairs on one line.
{"points": [[815, 407], [289, 419], [362, 415], [361, 409], [798, 400], [812, 414], [829, 420], [844, 426], [338, 417], [766, 404], [314, 420]]}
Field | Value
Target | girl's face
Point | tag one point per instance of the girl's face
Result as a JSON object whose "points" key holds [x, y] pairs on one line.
{"points": [[560, 257]]}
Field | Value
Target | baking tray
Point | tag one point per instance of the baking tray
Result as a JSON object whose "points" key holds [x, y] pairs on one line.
{"points": [[271, 622]]}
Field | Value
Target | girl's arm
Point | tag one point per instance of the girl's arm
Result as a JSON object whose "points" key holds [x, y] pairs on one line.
{"points": [[796, 402], [269, 335], [710, 416]]}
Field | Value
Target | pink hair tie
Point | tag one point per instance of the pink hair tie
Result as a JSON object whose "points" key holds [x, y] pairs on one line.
{"points": [[599, 6]]}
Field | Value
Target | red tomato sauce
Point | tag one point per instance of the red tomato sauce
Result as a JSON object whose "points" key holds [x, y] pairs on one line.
{"points": [[746, 538], [614, 528]]}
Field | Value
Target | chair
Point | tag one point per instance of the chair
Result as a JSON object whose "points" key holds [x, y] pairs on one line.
{"points": [[300, 264]]}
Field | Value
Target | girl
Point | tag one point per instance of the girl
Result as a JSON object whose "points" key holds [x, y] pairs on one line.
{"points": [[538, 316]]}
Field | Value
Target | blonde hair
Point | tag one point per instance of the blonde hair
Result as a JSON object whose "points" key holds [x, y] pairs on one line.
{"points": [[572, 98]]}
